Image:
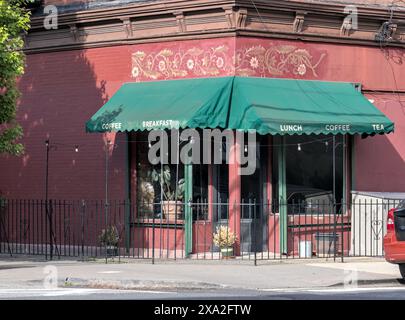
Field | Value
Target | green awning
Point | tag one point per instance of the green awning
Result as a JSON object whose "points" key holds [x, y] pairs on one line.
{"points": [[267, 105], [198, 103]]}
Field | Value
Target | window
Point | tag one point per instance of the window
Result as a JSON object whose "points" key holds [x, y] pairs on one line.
{"points": [[252, 186], [150, 190], [309, 172], [200, 192]]}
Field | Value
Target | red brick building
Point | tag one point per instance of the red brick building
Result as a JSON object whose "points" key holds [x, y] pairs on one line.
{"points": [[72, 71]]}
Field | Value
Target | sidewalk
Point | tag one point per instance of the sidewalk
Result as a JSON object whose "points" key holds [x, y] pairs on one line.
{"points": [[192, 275]]}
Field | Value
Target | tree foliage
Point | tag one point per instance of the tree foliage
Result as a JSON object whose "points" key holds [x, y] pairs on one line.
{"points": [[14, 22]]}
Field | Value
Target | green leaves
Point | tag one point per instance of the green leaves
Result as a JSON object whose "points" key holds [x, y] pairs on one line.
{"points": [[169, 188], [8, 138], [109, 236], [14, 22]]}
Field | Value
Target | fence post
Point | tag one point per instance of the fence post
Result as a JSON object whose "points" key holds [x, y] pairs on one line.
{"points": [[83, 207], [334, 230], [254, 231], [105, 230], [153, 233], [127, 204], [46, 227], [188, 214], [343, 212], [283, 224], [50, 229]]}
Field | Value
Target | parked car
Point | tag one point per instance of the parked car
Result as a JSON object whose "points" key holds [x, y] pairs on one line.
{"points": [[394, 240]]}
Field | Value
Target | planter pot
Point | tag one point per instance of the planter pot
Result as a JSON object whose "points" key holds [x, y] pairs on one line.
{"points": [[169, 210], [226, 253], [112, 251]]}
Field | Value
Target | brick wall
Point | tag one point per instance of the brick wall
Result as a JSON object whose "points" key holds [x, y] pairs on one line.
{"points": [[379, 160], [61, 91]]}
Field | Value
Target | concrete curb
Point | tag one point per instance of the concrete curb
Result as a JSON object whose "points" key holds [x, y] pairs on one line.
{"points": [[149, 285], [164, 285], [368, 282], [32, 260]]}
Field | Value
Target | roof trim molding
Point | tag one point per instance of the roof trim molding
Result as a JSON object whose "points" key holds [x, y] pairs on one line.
{"points": [[155, 21]]}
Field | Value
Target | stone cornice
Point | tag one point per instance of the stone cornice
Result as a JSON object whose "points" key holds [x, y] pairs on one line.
{"points": [[145, 11], [185, 19]]}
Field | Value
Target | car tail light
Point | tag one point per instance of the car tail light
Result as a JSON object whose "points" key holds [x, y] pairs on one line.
{"points": [[390, 220]]}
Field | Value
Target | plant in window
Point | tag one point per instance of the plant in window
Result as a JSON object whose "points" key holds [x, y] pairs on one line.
{"points": [[146, 195], [224, 238], [172, 195]]}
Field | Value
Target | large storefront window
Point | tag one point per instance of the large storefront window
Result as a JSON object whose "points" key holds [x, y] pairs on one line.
{"points": [[157, 183], [309, 174], [153, 187]]}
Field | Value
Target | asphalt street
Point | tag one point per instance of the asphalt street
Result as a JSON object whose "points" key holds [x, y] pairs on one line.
{"points": [[375, 293], [132, 280]]}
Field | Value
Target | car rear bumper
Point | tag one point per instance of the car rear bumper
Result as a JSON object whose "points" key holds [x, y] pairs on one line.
{"points": [[394, 250]]}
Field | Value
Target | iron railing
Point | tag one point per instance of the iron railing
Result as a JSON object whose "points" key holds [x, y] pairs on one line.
{"points": [[263, 231]]}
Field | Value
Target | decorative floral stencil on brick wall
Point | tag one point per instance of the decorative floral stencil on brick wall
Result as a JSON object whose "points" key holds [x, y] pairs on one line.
{"points": [[280, 60], [168, 64], [276, 60]]}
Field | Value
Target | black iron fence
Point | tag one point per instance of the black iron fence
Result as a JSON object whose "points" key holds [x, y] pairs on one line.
{"points": [[201, 230]]}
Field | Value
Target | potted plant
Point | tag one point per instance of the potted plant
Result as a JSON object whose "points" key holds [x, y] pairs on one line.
{"points": [[224, 238], [109, 238], [172, 196], [146, 199]]}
